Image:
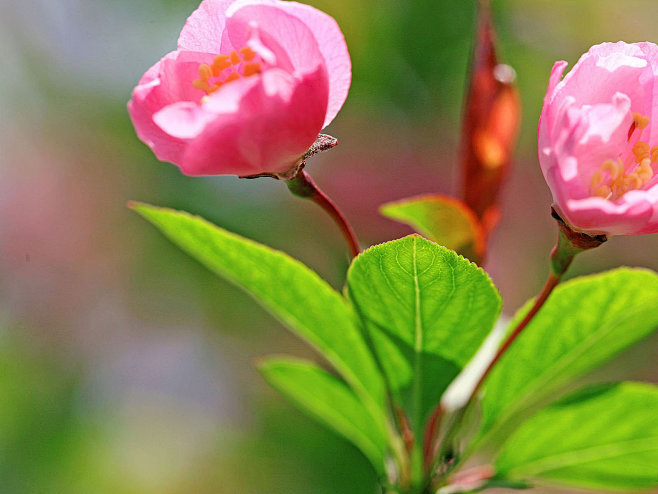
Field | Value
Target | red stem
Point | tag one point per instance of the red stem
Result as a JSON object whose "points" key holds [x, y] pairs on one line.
{"points": [[550, 284], [302, 185], [431, 432]]}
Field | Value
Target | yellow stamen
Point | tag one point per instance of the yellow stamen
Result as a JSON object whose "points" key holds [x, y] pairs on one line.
{"points": [[205, 72], [641, 121], [247, 54], [641, 151], [632, 182], [200, 84], [597, 178], [220, 63], [602, 191], [244, 63], [233, 76], [251, 69], [619, 182], [214, 87], [644, 171], [654, 153], [613, 168]]}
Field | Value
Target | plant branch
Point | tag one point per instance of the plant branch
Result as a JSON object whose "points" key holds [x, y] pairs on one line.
{"points": [[568, 245]]}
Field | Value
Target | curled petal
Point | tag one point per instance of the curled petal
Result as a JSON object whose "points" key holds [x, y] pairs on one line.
{"points": [[330, 41], [167, 82], [277, 120]]}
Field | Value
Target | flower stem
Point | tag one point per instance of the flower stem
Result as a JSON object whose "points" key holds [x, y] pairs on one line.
{"points": [[302, 185], [550, 284], [568, 245]]}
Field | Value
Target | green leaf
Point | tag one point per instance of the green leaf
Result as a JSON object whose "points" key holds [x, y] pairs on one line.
{"points": [[330, 401], [584, 323], [293, 293], [427, 311], [442, 219], [602, 437]]}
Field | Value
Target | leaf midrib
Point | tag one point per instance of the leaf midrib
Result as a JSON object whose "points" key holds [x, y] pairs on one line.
{"points": [[418, 342]]}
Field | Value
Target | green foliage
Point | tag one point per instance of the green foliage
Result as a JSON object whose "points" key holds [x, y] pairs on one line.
{"points": [[424, 311], [330, 401], [445, 220], [603, 437], [583, 324], [288, 289], [427, 310]]}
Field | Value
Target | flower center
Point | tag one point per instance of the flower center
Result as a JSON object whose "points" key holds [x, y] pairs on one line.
{"points": [[227, 68], [614, 178]]}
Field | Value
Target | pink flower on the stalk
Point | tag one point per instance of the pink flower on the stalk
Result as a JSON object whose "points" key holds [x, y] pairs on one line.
{"points": [[598, 140], [248, 90]]}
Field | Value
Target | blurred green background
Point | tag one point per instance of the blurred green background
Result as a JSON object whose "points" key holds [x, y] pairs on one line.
{"points": [[125, 367]]}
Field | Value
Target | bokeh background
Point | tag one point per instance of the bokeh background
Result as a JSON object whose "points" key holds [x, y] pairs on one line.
{"points": [[125, 367]]}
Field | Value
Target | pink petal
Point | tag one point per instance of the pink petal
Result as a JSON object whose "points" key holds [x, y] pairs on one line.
{"points": [[627, 216], [277, 121], [167, 82], [604, 70], [292, 42], [204, 29], [331, 43], [183, 120], [547, 157], [652, 223]]}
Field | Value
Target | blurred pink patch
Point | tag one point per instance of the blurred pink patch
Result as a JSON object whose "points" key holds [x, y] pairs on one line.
{"points": [[598, 139], [248, 90]]}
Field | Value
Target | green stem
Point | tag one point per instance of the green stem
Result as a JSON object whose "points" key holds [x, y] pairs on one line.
{"points": [[302, 185]]}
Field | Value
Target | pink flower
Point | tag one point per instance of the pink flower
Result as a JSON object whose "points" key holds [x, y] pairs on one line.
{"points": [[248, 90], [598, 140]]}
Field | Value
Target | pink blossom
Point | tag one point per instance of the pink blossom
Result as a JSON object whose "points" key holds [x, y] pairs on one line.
{"points": [[248, 90], [598, 140]]}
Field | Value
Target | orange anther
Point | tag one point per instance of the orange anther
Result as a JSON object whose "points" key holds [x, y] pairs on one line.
{"points": [[251, 69], [632, 182], [247, 54], [641, 121], [615, 169], [235, 58], [597, 178], [232, 77], [200, 84], [602, 191], [654, 153], [641, 151], [221, 64], [205, 72], [214, 87]]}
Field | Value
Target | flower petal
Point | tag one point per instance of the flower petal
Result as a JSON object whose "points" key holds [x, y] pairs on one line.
{"points": [[330, 41], [292, 42], [277, 120], [603, 71], [167, 82], [204, 29], [597, 215]]}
